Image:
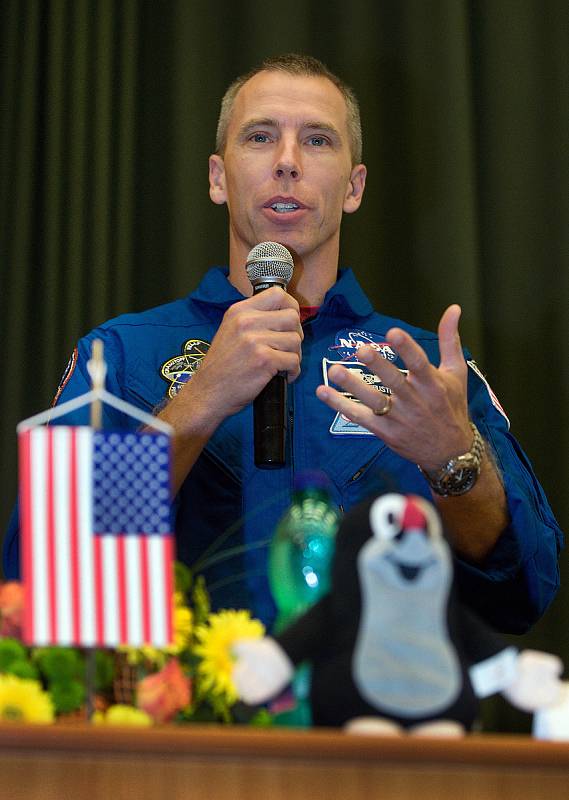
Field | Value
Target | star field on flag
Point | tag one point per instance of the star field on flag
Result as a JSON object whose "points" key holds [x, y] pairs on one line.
{"points": [[131, 483]]}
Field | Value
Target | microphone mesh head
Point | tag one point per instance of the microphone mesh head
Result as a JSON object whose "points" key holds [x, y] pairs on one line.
{"points": [[269, 260]]}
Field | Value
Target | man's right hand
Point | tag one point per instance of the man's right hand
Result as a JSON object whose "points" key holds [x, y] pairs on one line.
{"points": [[258, 337]]}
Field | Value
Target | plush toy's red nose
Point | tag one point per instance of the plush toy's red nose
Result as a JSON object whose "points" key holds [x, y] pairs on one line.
{"points": [[413, 517]]}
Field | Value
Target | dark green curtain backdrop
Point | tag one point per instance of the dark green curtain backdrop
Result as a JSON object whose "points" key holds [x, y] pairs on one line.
{"points": [[108, 113]]}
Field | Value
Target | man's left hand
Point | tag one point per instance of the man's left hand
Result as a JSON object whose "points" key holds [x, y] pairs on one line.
{"points": [[427, 421]]}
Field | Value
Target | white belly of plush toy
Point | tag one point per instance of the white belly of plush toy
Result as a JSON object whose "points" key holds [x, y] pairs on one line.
{"points": [[404, 661]]}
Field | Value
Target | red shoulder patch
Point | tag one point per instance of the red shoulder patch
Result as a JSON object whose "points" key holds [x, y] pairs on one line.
{"points": [[68, 372]]}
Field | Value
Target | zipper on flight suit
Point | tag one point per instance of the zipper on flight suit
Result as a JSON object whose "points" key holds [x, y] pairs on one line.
{"points": [[358, 474]]}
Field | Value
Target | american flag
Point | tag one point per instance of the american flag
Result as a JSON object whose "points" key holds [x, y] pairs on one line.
{"points": [[97, 546]]}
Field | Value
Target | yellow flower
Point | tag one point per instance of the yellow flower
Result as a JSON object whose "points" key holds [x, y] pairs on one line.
{"points": [[214, 648], [183, 624], [24, 701], [138, 655], [122, 715]]}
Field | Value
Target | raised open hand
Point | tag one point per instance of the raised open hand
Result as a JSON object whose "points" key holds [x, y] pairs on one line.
{"points": [[425, 418]]}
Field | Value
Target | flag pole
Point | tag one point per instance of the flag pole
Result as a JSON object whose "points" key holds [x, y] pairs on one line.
{"points": [[97, 370]]}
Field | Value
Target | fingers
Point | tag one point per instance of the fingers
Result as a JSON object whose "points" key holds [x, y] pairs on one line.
{"points": [[285, 319], [272, 299], [412, 353], [283, 340], [284, 352], [389, 374], [425, 418], [279, 314], [449, 338], [265, 330], [414, 357], [359, 413], [288, 363], [369, 395]]}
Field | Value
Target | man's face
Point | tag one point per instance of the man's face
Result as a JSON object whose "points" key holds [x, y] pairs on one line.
{"points": [[286, 173]]}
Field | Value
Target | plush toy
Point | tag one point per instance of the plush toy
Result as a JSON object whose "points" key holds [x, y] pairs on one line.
{"points": [[391, 647]]}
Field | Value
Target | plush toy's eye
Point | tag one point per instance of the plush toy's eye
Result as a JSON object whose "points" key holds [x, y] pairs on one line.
{"points": [[388, 518], [385, 516]]}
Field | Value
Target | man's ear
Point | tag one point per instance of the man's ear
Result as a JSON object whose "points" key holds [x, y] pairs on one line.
{"points": [[355, 189], [217, 190]]}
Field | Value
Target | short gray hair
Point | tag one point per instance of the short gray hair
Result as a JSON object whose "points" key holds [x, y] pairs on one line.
{"points": [[300, 65]]}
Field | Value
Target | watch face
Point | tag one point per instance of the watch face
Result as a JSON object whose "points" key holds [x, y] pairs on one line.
{"points": [[457, 477], [461, 481]]}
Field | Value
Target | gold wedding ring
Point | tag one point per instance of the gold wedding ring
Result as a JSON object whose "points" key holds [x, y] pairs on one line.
{"points": [[385, 409]]}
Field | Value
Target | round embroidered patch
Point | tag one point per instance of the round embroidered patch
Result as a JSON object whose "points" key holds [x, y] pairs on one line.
{"points": [[178, 370]]}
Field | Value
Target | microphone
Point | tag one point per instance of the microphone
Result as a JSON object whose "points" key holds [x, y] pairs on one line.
{"points": [[270, 264]]}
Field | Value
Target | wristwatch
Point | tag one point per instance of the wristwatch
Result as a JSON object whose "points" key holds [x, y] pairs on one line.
{"points": [[458, 475]]}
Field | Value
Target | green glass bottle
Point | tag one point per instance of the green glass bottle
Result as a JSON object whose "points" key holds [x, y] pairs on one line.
{"points": [[300, 559], [302, 548]]}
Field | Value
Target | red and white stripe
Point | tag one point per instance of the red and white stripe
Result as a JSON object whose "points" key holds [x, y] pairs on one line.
{"points": [[82, 589], [493, 397]]}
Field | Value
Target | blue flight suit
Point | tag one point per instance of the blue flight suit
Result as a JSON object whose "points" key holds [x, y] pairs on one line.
{"points": [[227, 509]]}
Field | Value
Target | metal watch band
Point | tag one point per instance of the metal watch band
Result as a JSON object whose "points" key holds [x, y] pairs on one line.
{"points": [[459, 474]]}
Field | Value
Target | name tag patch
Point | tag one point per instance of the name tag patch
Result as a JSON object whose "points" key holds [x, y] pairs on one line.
{"points": [[342, 425]]}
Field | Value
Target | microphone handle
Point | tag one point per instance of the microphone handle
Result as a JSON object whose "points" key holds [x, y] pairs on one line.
{"points": [[269, 424], [269, 413]]}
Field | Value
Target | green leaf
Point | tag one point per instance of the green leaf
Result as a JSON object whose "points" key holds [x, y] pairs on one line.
{"points": [[220, 707], [104, 670], [23, 669], [200, 601], [182, 578], [262, 719], [10, 651], [68, 696], [250, 715], [59, 663], [199, 713]]}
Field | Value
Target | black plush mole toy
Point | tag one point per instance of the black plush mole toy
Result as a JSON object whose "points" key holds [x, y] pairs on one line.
{"points": [[390, 641]]}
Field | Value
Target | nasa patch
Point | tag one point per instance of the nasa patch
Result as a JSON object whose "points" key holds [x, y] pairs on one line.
{"points": [[178, 370], [348, 341]]}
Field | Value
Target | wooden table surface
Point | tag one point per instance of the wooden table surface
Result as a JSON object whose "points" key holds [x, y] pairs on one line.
{"points": [[218, 762]]}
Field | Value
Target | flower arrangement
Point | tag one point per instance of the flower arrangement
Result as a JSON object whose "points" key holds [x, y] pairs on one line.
{"points": [[189, 681]]}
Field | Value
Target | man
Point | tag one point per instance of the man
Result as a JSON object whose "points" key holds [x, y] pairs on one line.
{"points": [[288, 167]]}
